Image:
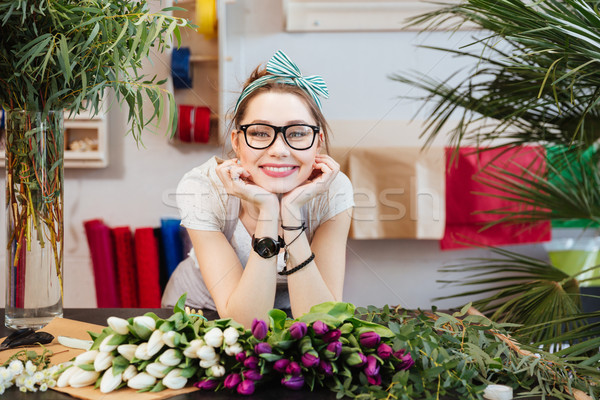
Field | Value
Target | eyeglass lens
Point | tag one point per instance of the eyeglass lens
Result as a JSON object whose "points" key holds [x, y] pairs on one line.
{"points": [[297, 136]]}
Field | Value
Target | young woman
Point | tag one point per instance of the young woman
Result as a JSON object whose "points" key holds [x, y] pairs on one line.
{"points": [[268, 227]]}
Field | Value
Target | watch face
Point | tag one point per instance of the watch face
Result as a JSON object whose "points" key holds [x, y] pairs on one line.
{"points": [[266, 247]]}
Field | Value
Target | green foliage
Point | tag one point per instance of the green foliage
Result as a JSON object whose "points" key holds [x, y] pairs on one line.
{"points": [[65, 54]]}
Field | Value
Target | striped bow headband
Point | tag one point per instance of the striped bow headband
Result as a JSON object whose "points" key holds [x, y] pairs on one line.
{"points": [[282, 69]]}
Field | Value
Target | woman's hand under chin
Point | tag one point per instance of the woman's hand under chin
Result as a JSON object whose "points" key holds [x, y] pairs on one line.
{"points": [[238, 182], [324, 172]]}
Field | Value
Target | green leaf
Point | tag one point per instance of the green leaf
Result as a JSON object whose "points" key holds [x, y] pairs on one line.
{"points": [[340, 310], [277, 318]]}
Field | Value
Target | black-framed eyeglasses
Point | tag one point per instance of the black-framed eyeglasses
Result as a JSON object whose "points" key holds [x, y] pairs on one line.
{"points": [[297, 136]]}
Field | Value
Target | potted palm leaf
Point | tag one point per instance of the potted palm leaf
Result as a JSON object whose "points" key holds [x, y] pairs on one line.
{"points": [[55, 56], [535, 80]]}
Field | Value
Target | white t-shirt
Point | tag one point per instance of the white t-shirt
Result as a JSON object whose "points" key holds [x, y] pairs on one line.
{"points": [[205, 205]]}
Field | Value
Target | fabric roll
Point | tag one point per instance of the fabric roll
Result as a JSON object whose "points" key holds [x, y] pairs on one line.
{"points": [[201, 124], [467, 197], [101, 251], [206, 18], [184, 123], [126, 269], [148, 274], [162, 261], [170, 230], [180, 68]]}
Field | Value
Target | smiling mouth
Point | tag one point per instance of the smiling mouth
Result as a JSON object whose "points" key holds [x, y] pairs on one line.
{"points": [[278, 172], [278, 169]]}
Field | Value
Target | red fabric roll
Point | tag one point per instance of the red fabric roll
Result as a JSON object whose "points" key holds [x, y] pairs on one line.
{"points": [[464, 197], [126, 270], [184, 124], [148, 273], [201, 131]]}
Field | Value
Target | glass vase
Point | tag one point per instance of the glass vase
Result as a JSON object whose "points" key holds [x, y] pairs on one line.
{"points": [[34, 217]]}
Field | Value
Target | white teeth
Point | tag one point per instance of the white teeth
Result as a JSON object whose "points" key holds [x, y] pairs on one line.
{"points": [[278, 169]]}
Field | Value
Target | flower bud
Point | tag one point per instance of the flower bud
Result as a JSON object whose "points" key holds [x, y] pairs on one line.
{"points": [[105, 347], [217, 371], [251, 362], [309, 360], [209, 363], [86, 358], [252, 374], [171, 338], [157, 369], [110, 381], [357, 359], [207, 384], [103, 361], [141, 353], [155, 343], [63, 379], [174, 380], [298, 330], [230, 336], [333, 350], [240, 357], [231, 381], [214, 337], [129, 373], [143, 326], [82, 378], [127, 350], [293, 382], [246, 387], [280, 365], [325, 367], [372, 367], [293, 369], [320, 327], [119, 325], [192, 349], [142, 380], [170, 357], [206, 353], [369, 339], [405, 359], [384, 351], [374, 380], [234, 349], [332, 335], [259, 329], [263, 347]]}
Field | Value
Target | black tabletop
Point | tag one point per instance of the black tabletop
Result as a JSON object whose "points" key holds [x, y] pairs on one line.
{"points": [[99, 316]]}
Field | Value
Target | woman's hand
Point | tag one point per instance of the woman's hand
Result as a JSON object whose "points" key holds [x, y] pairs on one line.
{"points": [[324, 172], [238, 182]]}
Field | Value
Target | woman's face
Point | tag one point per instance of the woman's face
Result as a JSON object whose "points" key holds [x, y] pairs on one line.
{"points": [[278, 168]]}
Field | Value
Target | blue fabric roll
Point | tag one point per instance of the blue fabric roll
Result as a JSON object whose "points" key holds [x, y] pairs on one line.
{"points": [[172, 243], [1, 118], [180, 68]]}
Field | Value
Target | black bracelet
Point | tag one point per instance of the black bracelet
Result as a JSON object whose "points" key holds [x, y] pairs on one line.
{"points": [[285, 246], [293, 228], [285, 271]]}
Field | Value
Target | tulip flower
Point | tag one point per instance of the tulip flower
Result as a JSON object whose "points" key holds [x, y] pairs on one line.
{"points": [[232, 380], [142, 380], [171, 338], [405, 358], [357, 359], [252, 374], [384, 351], [191, 351], [141, 353], [281, 365], [119, 325], [214, 337], [246, 387], [374, 380], [170, 357], [369, 339], [263, 347], [82, 378], [174, 380], [209, 363], [105, 347], [230, 336], [251, 362], [127, 350], [129, 373], [320, 327], [157, 369], [372, 367], [298, 330], [240, 357], [293, 369], [155, 343], [325, 367], [143, 326], [207, 384], [217, 371], [293, 382], [110, 381], [63, 379], [332, 336], [233, 349], [333, 350], [103, 361], [86, 358], [309, 360], [259, 329], [206, 353]]}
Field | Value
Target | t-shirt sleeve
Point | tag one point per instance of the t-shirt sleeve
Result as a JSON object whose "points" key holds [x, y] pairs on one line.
{"points": [[338, 198], [198, 203]]}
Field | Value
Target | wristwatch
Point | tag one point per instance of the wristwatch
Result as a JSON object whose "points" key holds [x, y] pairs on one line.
{"points": [[267, 247]]}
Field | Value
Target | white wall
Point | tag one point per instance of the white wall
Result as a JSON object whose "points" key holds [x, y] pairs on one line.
{"points": [[133, 190]]}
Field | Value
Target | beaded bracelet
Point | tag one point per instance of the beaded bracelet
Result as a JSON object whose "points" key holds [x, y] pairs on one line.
{"points": [[285, 271]]}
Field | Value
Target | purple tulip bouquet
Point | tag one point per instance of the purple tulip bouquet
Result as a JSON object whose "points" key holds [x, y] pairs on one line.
{"points": [[328, 347]]}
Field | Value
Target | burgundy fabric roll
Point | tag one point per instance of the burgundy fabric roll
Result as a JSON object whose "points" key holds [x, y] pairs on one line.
{"points": [[126, 269], [201, 132], [148, 274], [184, 124], [194, 124]]}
